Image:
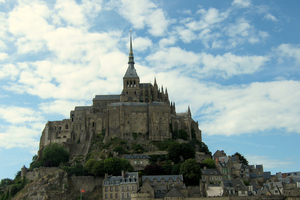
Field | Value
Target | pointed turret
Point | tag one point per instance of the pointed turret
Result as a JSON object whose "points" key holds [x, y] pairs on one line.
{"points": [[131, 72], [167, 96], [131, 80], [189, 112]]}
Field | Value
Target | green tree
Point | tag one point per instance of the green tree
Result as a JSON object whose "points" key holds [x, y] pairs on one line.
{"points": [[120, 150], [89, 165], [177, 151], [55, 154], [98, 168], [166, 167], [210, 163], [114, 166], [6, 181], [241, 158], [153, 169], [191, 172], [176, 169], [183, 134]]}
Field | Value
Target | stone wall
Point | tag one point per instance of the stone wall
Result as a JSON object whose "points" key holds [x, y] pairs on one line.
{"points": [[39, 172], [87, 183]]}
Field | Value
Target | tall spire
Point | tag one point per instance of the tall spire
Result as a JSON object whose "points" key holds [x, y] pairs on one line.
{"points": [[131, 72], [131, 59]]}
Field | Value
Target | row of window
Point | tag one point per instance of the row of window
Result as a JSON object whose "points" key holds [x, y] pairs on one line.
{"points": [[117, 195], [212, 178], [116, 188]]}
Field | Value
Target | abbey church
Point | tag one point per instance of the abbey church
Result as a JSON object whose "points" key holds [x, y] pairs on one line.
{"points": [[141, 108]]}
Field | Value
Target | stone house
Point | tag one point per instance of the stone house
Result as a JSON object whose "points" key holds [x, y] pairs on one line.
{"points": [[161, 184], [241, 171], [224, 165], [218, 154], [235, 187], [139, 162], [211, 176], [120, 187]]}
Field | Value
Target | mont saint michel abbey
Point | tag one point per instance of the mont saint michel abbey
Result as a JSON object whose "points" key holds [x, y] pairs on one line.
{"points": [[140, 108]]}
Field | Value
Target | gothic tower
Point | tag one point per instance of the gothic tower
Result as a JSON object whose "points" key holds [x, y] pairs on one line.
{"points": [[131, 80]]}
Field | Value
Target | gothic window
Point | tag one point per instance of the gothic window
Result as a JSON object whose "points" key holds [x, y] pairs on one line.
{"points": [[111, 196], [134, 83], [111, 189], [67, 126], [106, 189], [105, 196], [128, 194], [123, 188], [116, 188], [123, 195], [116, 195], [59, 127], [93, 124], [130, 83]]}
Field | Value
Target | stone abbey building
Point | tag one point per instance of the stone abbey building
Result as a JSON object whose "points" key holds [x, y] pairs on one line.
{"points": [[142, 108]]}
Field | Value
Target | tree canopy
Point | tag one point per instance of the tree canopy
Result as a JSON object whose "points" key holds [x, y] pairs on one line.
{"points": [[54, 154], [153, 169], [210, 163], [177, 151], [191, 172], [241, 158]]}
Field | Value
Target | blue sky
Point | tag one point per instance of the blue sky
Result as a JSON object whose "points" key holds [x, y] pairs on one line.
{"points": [[236, 63]]}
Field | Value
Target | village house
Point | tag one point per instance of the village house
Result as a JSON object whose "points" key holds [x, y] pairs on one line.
{"points": [[120, 187], [139, 162]]}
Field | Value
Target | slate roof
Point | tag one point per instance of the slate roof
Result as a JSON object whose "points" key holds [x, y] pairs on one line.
{"points": [[237, 184], [136, 156], [173, 193], [165, 177], [210, 172], [128, 104], [117, 180], [81, 108], [131, 72], [107, 97]]}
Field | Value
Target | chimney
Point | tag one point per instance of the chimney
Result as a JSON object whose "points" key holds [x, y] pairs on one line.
{"points": [[217, 161], [123, 174], [106, 176]]}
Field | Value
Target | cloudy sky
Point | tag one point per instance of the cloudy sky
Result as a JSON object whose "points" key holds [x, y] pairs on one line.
{"points": [[236, 63]]}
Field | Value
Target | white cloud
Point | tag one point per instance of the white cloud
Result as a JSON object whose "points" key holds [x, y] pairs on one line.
{"points": [[208, 19], [270, 17], [70, 12], [142, 13], [24, 126], [241, 3], [62, 107], [140, 44], [250, 108], [19, 115], [171, 40], [268, 162], [2, 1], [3, 56], [8, 70], [289, 51], [206, 65], [186, 35]]}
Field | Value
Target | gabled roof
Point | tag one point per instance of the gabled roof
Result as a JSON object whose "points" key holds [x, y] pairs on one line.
{"points": [[237, 184], [107, 97], [210, 172], [173, 193], [130, 177], [136, 156], [131, 72], [165, 177], [82, 108]]}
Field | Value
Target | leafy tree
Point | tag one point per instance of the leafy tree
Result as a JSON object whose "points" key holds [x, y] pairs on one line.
{"points": [[89, 165], [210, 163], [18, 174], [183, 134], [191, 172], [125, 165], [241, 158], [176, 169], [177, 151], [114, 166], [77, 169], [6, 181], [155, 158], [120, 150], [204, 148], [137, 148], [166, 167], [153, 169], [55, 154], [97, 168]]}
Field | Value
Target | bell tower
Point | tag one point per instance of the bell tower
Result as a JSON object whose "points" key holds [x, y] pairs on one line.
{"points": [[131, 80]]}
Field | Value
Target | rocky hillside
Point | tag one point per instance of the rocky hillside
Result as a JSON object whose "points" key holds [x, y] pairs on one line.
{"points": [[56, 185]]}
